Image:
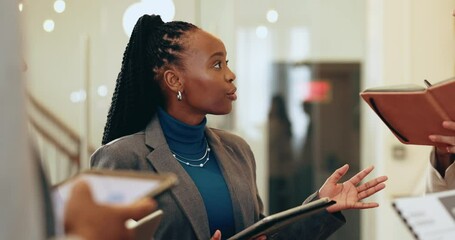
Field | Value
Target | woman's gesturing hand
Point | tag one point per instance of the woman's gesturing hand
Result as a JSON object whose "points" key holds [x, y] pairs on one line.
{"points": [[348, 195]]}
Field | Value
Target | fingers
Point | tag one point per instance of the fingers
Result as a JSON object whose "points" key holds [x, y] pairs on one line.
{"points": [[370, 191], [216, 235], [138, 209], [361, 175], [363, 205], [338, 174], [443, 150], [449, 125], [82, 190], [450, 149], [131, 234], [449, 140], [371, 183], [371, 187]]}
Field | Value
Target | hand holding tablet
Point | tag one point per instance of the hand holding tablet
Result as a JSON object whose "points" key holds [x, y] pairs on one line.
{"points": [[120, 188], [273, 223]]}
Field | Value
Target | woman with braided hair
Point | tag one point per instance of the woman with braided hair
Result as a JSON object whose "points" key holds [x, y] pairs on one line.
{"points": [[173, 74]]}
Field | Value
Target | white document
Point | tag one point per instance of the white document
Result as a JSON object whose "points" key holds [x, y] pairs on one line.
{"points": [[429, 217]]}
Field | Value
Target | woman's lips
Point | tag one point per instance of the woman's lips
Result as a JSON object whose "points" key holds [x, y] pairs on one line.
{"points": [[231, 95]]}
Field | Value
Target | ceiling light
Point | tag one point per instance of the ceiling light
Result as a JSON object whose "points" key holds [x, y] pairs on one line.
{"points": [[262, 32], [48, 25], [164, 8], [102, 91], [59, 6], [272, 16]]}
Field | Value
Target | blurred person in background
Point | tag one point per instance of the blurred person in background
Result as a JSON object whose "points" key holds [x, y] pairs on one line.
{"points": [[26, 211]]}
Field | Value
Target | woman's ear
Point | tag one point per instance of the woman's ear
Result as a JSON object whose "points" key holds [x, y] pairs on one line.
{"points": [[172, 80]]}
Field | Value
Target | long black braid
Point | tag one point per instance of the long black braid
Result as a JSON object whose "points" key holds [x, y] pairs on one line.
{"points": [[153, 46]]}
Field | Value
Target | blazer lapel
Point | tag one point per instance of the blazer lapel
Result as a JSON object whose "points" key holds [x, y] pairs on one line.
{"points": [[233, 174], [185, 193]]}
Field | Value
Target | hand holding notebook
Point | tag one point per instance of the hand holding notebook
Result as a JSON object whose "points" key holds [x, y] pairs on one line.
{"points": [[412, 112]]}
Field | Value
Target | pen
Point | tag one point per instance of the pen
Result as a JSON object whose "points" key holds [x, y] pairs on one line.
{"points": [[427, 83]]}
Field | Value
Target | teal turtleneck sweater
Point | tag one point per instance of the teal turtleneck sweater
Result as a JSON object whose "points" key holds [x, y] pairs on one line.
{"points": [[190, 142]]}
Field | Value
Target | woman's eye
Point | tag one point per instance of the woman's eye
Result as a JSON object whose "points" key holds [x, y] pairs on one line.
{"points": [[218, 65]]}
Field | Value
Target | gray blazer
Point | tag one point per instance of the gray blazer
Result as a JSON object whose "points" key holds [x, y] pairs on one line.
{"points": [[184, 211]]}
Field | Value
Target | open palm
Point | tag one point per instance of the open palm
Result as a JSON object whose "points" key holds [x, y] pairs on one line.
{"points": [[348, 195]]}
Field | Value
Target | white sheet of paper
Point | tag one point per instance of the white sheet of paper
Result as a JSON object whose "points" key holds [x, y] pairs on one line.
{"points": [[431, 216]]}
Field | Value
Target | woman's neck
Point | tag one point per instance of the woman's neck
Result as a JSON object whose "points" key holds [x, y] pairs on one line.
{"points": [[181, 137], [184, 115]]}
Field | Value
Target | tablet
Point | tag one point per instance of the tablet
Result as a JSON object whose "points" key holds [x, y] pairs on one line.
{"points": [[273, 223], [112, 187]]}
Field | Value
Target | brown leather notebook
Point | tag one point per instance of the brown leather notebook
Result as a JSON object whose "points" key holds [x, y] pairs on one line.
{"points": [[414, 112]]}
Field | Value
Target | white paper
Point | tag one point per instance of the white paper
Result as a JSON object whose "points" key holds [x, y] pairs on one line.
{"points": [[431, 216]]}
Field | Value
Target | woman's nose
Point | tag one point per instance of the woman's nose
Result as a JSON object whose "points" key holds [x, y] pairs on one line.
{"points": [[230, 76]]}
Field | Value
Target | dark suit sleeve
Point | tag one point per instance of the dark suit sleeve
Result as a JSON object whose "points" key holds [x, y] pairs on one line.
{"points": [[318, 226]]}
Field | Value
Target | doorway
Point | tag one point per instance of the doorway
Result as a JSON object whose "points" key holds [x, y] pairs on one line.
{"points": [[314, 128]]}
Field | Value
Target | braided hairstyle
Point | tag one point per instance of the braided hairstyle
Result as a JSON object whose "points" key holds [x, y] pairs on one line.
{"points": [[153, 46]]}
